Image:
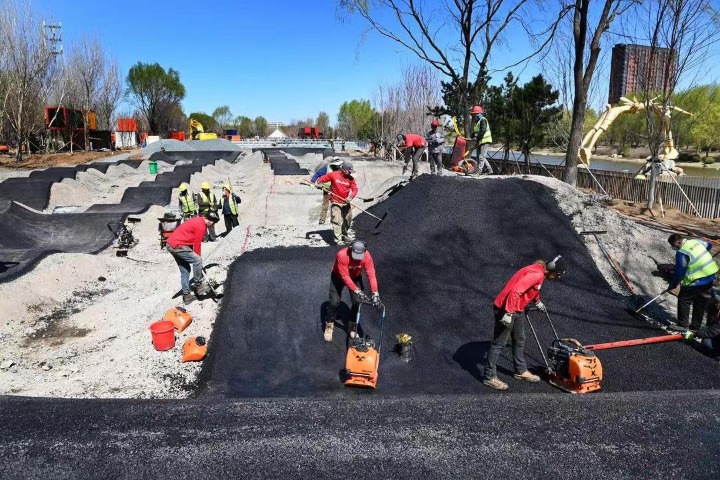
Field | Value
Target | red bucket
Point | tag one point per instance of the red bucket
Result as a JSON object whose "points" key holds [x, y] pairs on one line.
{"points": [[163, 335]]}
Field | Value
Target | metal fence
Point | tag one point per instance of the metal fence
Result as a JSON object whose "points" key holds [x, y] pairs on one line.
{"points": [[703, 192]]}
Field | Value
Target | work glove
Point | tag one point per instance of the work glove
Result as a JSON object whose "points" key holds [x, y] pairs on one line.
{"points": [[376, 300], [506, 319], [540, 306], [363, 297], [702, 333]]}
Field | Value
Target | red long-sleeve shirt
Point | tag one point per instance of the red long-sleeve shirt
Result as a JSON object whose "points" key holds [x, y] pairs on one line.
{"points": [[521, 289], [190, 233], [341, 186], [412, 140], [350, 270]]}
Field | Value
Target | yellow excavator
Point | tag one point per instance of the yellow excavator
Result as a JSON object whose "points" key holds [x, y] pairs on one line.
{"points": [[197, 132]]}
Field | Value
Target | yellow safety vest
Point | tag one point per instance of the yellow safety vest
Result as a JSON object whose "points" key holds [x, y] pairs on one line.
{"points": [[207, 204], [187, 203], [232, 202], [701, 263], [487, 136]]}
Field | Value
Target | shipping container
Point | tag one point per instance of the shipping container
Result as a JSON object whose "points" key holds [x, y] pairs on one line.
{"points": [[177, 136]]}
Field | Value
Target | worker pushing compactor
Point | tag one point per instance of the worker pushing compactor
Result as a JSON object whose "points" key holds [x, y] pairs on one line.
{"points": [[522, 289], [347, 272]]}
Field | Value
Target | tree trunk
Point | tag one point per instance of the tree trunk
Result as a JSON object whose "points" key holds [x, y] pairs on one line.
{"points": [[577, 128]]}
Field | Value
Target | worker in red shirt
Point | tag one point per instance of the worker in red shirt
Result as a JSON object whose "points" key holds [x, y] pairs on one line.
{"points": [[184, 245], [343, 189], [413, 146], [521, 289], [347, 272]]}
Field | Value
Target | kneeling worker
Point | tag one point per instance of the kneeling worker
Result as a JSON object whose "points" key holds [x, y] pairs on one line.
{"points": [[347, 272], [184, 244], [521, 289]]}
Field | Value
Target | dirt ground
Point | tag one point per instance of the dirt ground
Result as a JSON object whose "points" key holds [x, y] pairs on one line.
{"points": [[39, 160], [77, 325]]}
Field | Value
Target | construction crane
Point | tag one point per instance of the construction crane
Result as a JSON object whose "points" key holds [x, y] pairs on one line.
{"points": [[197, 132]]}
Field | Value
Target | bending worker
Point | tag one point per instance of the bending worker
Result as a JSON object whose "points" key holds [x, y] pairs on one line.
{"points": [[330, 165], [483, 138], [343, 189], [695, 272], [207, 202], [435, 141], [521, 289], [413, 147], [347, 272], [229, 207], [188, 207], [184, 245]]}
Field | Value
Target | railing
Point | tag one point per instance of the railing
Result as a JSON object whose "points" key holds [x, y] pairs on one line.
{"points": [[703, 192]]}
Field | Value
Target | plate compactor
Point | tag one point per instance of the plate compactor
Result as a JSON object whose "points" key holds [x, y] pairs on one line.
{"points": [[363, 356], [575, 368]]}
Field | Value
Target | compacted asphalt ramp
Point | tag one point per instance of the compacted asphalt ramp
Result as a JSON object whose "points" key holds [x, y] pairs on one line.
{"points": [[271, 405], [445, 249]]}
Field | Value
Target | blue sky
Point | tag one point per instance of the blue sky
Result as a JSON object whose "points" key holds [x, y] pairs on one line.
{"points": [[280, 59]]}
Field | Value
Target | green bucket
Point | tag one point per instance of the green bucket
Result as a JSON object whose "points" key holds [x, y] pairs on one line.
{"points": [[153, 167]]}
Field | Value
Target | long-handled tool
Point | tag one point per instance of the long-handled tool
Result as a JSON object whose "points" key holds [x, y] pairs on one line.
{"points": [[379, 219], [363, 357], [651, 301]]}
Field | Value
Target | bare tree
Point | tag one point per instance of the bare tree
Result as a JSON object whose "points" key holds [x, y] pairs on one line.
{"points": [[683, 33], [455, 37], [88, 64], [402, 106], [111, 93], [27, 61], [586, 51]]}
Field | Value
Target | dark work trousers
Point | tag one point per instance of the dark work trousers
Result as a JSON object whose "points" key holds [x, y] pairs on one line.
{"points": [[501, 335], [414, 154], [695, 297], [230, 222], [336, 288], [436, 163]]}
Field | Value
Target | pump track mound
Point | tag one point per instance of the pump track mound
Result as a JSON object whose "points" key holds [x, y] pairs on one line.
{"points": [[271, 404]]}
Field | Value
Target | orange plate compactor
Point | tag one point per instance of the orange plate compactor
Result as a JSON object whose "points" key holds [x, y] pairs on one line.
{"points": [[575, 368], [363, 357]]}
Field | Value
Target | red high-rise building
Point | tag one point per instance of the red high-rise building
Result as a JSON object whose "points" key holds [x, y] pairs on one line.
{"points": [[635, 68]]}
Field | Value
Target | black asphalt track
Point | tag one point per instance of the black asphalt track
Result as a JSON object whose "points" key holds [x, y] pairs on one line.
{"points": [[622, 435], [280, 164], [296, 151], [26, 237], [445, 249], [197, 157]]}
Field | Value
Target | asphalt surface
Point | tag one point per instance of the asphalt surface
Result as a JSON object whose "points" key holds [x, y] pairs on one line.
{"points": [[296, 151], [644, 435], [280, 164], [26, 237], [445, 249]]}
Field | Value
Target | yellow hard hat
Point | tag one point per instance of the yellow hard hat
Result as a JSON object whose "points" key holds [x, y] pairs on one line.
{"points": [[183, 187], [228, 187], [205, 186]]}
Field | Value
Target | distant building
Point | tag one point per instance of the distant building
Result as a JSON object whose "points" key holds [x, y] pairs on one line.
{"points": [[272, 126], [632, 70]]}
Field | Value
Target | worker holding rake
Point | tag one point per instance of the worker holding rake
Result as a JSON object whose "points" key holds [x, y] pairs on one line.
{"points": [[343, 189], [347, 272], [522, 289]]}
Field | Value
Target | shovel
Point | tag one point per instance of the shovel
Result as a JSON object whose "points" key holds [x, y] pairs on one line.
{"points": [[379, 219]]}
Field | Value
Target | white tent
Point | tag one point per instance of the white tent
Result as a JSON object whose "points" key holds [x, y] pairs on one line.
{"points": [[277, 134]]}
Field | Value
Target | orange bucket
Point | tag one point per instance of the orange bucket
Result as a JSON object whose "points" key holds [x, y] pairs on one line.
{"points": [[163, 335], [194, 349], [179, 317]]}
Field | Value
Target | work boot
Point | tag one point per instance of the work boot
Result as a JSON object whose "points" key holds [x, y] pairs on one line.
{"points": [[352, 329], [202, 289], [327, 335], [496, 383], [188, 298], [527, 376]]}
